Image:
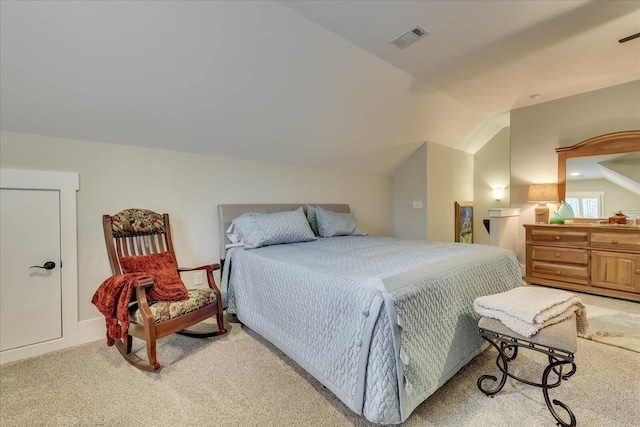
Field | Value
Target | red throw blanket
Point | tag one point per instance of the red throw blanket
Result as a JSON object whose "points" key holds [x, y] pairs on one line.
{"points": [[114, 295]]}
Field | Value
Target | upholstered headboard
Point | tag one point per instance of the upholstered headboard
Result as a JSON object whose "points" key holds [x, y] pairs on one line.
{"points": [[228, 212]]}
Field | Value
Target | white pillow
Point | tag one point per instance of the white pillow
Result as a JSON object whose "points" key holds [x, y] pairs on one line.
{"points": [[234, 235]]}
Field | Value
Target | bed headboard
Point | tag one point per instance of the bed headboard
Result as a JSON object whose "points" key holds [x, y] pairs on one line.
{"points": [[228, 212]]}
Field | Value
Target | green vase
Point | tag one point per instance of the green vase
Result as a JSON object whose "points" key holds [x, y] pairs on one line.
{"points": [[565, 211], [556, 219]]}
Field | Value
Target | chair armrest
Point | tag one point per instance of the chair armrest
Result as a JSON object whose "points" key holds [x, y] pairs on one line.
{"points": [[141, 286], [211, 267], [145, 283], [210, 280]]}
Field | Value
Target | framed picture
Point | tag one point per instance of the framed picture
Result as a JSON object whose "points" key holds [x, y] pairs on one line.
{"points": [[464, 222]]}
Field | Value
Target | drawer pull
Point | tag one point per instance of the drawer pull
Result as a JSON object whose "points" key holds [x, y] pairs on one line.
{"points": [[557, 272], [638, 271], [558, 255], [614, 242], [556, 237]]}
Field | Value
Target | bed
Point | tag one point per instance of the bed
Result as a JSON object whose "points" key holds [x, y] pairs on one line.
{"points": [[382, 323]]}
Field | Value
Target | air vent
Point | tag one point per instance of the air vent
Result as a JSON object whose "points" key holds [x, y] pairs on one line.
{"points": [[409, 37]]}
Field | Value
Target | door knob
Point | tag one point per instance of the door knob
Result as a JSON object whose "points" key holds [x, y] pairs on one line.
{"points": [[49, 265]]}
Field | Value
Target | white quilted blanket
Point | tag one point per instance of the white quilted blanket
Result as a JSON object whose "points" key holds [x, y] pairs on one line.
{"points": [[528, 309], [382, 323]]}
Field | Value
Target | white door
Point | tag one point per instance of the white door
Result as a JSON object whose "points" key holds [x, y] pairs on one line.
{"points": [[30, 297]]}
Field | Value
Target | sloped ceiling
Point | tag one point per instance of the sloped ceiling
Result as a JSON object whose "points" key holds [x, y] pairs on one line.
{"points": [[315, 84]]}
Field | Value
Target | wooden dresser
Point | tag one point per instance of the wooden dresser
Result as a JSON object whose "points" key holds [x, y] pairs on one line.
{"points": [[598, 259]]}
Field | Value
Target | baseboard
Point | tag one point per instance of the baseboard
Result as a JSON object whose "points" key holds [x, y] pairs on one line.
{"points": [[88, 330], [34, 350], [91, 330]]}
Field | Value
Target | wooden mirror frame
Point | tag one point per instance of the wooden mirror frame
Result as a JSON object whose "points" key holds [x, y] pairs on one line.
{"points": [[611, 143]]}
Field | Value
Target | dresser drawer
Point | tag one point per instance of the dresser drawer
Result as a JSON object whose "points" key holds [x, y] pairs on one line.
{"points": [[622, 241], [561, 255], [564, 272], [559, 237]]}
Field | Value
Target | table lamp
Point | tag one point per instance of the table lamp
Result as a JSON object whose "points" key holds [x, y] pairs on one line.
{"points": [[542, 194]]}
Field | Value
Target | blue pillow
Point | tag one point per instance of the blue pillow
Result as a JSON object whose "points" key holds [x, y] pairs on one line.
{"points": [[313, 219], [332, 224], [265, 229]]}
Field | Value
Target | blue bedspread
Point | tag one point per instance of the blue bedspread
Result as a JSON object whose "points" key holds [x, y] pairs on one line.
{"points": [[381, 322]]}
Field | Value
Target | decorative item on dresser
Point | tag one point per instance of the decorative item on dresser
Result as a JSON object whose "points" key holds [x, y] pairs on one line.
{"points": [[542, 194], [600, 259]]}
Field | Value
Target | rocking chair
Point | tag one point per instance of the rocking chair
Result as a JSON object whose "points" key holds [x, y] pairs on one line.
{"points": [[140, 232]]}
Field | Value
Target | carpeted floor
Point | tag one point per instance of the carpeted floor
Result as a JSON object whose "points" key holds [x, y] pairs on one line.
{"points": [[241, 380]]}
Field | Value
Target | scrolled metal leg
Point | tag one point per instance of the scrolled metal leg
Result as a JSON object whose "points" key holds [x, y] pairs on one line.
{"points": [[568, 374], [508, 348], [508, 351], [502, 357], [546, 386], [571, 372]]}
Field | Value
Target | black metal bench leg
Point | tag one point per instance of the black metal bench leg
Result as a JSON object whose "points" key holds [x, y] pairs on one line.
{"points": [[508, 351], [546, 386], [502, 363]]}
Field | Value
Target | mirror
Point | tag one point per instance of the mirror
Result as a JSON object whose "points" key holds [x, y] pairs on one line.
{"points": [[601, 175]]}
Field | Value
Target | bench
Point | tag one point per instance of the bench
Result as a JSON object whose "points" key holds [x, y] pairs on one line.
{"points": [[558, 342]]}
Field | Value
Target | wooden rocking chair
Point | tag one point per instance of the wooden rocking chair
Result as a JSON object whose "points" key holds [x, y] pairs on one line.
{"points": [[136, 232]]}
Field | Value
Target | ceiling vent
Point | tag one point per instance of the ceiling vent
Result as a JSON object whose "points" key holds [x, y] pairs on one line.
{"points": [[409, 37]]}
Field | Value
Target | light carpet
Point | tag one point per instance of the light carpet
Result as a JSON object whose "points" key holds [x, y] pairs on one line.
{"points": [[613, 327], [242, 380]]}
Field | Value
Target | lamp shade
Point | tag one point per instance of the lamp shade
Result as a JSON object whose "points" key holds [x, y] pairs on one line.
{"points": [[543, 193], [498, 193]]}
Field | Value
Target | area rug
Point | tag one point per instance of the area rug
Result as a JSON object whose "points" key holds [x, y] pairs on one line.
{"points": [[613, 327]]}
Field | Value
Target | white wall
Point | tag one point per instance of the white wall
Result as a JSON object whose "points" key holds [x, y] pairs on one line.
{"points": [[438, 176], [409, 185], [187, 186], [536, 132], [490, 169], [449, 179]]}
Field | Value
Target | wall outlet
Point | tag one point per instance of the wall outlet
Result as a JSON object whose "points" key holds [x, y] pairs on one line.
{"points": [[417, 204], [198, 278]]}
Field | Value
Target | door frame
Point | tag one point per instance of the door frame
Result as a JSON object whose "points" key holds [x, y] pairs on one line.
{"points": [[67, 183]]}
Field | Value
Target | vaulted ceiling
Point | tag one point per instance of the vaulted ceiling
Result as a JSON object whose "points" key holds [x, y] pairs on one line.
{"points": [[312, 83]]}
